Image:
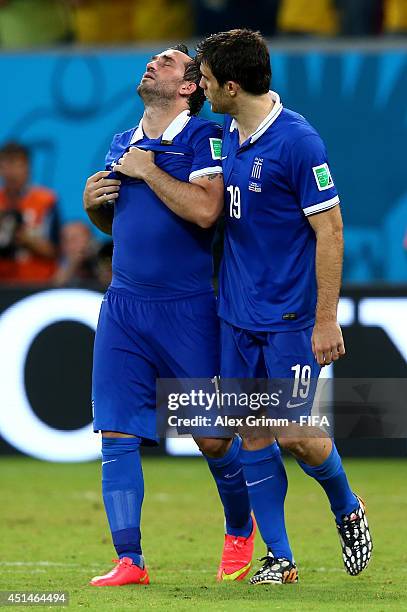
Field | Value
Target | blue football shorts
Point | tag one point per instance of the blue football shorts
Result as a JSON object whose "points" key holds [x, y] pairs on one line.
{"points": [[139, 340], [284, 358]]}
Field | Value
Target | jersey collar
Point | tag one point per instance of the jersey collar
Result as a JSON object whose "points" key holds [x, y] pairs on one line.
{"points": [[267, 122], [176, 126]]}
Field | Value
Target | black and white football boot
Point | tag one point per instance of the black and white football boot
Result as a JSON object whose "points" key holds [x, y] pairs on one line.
{"points": [[275, 571], [356, 540]]}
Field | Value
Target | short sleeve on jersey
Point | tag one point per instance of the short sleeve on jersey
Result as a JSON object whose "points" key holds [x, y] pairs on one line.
{"points": [[113, 151], [207, 145], [311, 177]]}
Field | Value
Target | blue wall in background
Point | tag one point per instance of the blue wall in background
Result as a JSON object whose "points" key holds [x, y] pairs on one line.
{"points": [[66, 106]]}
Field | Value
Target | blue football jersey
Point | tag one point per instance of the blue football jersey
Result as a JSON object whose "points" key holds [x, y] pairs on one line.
{"points": [[273, 182], [156, 252]]}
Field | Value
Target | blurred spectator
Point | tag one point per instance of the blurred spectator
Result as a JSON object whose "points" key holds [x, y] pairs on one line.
{"points": [[129, 21], [28, 222], [162, 19], [217, 15], [395, 17], [103, 22], [104, 264], [33, 23], [211, 16], [359, 17], [78, 256], [302, 17]]}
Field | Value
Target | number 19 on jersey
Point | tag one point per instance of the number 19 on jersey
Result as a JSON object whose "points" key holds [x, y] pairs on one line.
{"points": [[234, 204]]}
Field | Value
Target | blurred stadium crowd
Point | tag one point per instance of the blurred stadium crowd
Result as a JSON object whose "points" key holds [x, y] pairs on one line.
{"points": [[34, 248], [32, 23]]}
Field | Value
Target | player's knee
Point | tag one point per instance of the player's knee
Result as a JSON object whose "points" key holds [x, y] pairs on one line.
{"points": [[256, 443], [296, 446], [116, 434], [213, 447]]}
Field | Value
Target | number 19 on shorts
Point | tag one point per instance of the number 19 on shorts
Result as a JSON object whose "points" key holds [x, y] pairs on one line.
{"points": [[234, 205]]}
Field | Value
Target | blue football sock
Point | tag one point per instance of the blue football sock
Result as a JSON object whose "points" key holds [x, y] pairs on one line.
{"points": [[228, 474], [266, 482], [123, 492], [332, 478]]}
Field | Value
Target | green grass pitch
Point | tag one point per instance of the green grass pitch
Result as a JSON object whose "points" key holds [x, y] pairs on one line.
{"points": [[53, 536]]}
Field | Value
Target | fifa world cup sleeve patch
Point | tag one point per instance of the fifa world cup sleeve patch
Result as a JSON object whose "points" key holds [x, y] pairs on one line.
{"points": [[323, 177], [216, 147]]}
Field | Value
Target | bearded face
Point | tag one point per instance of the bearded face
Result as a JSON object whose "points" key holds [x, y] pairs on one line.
{"points": [[153, 89], [163, 77]]}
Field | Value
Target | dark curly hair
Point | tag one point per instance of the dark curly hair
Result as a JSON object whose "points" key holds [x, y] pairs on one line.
{"points": [[192, 75], [241, 56]]}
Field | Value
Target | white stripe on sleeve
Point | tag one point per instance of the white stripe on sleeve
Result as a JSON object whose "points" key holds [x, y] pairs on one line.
{"points": [[205, 172], [316, 208]]}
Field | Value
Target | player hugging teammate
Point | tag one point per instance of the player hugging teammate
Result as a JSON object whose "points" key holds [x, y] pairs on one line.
{"points": [[278, 294]]}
